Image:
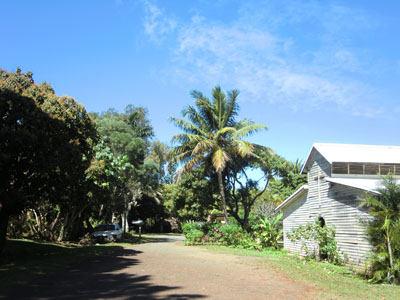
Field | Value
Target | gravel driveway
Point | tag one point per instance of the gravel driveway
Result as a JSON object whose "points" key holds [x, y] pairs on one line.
{"points": [[166, 269]]}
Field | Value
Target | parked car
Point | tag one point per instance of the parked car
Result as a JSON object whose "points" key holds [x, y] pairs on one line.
{"points": [[107, 233]]}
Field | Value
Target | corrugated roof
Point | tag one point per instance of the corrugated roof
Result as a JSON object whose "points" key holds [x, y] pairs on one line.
{"points": [[356, 153]]}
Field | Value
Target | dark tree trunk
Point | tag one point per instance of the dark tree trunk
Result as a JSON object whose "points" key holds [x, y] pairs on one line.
{"points": [[246, 219], [4, 216], [63, 228], [222, 192]]}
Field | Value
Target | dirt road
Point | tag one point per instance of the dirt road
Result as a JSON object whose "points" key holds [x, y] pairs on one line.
{"points": [[166, 269]]}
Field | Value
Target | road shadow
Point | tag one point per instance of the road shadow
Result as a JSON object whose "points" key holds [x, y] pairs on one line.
{"points": [[156, 238], [98, 278]]}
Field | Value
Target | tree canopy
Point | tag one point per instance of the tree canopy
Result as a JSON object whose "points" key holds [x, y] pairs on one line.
{"points": [[212, 135], [65, 170], [46, 146]]}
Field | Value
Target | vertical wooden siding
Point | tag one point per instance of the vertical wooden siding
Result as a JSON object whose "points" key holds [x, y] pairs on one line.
{"points": [[337, 204]]}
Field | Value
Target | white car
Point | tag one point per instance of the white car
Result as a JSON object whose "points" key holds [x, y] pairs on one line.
{"points": [[107, 233]]}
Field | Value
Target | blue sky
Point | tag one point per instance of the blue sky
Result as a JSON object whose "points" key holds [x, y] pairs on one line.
{"points": [[312, 71]]}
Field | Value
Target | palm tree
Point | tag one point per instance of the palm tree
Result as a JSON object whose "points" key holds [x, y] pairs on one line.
{"points": [[386, 210], [212, 134], [296, 166]]}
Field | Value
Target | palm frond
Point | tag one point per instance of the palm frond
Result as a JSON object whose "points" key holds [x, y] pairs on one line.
{"points": [[373, 202], [188, 138], [248, 130], [206, 111], [203, 146], [186, 126], [243, 148], [232, 108], [194, 116], [189, 165], [222, 132], [243, 123], [219, 159]]}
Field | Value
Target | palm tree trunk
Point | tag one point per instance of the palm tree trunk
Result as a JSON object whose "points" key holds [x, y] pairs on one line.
{"points": [[390, 258], [221, 190]]}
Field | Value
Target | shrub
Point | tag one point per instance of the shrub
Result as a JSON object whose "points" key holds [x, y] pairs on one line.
{"points": [[193, 237], [193, 233], [380, 259], [187, 227], [228, 235], [267, 232], [231, 235], [384, 231], [216, 233], [324, 238]]}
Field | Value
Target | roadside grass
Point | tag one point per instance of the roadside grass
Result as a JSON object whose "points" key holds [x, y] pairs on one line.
{"points": [[329, 281], [25, 260]]}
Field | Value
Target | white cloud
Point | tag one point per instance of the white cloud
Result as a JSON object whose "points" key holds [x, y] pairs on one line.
{"points": [[156, 24], [265, 64]]}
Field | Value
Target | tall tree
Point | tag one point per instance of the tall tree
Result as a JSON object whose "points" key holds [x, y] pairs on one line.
{"points": [[192, 198], [45, 147], [129, 134], [159, 153], [212, 134], [244, 191], [288, 178]]}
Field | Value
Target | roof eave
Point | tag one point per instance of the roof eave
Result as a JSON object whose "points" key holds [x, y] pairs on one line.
{"points": [[354, 186], [292, 197], [314, 146]]}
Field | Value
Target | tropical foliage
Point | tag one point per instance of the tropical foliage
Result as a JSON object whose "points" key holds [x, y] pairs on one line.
{"points": [[64, 170], [46, 146], [384, 231], [318, 242], [212, 135], [264, 235], [268, 231], [129, 135], [192, 198]]}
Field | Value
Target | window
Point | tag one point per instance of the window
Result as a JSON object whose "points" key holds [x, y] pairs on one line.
{"points": [[340, 168], [397, 169], [371, 169], [385, 169], [350, 168], [356, 168]]}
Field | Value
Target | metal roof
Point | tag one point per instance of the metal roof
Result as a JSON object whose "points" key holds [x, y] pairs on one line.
{"points": [[356, 153], [292, 197], [365, 184]]}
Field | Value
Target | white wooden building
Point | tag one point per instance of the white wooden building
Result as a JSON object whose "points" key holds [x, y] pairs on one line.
{"points": [[338, 176]]}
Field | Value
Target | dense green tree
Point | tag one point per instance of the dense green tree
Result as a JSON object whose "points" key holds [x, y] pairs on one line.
{"points": [[212, 135], [191, 198], [137, 118], [106, 172], [46, 145], [129, 134], [159, 153], [287, 178], [243, 191]]}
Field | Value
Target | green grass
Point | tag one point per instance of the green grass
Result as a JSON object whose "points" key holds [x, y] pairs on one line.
{"points": [[24, 260], [329, 281]]}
